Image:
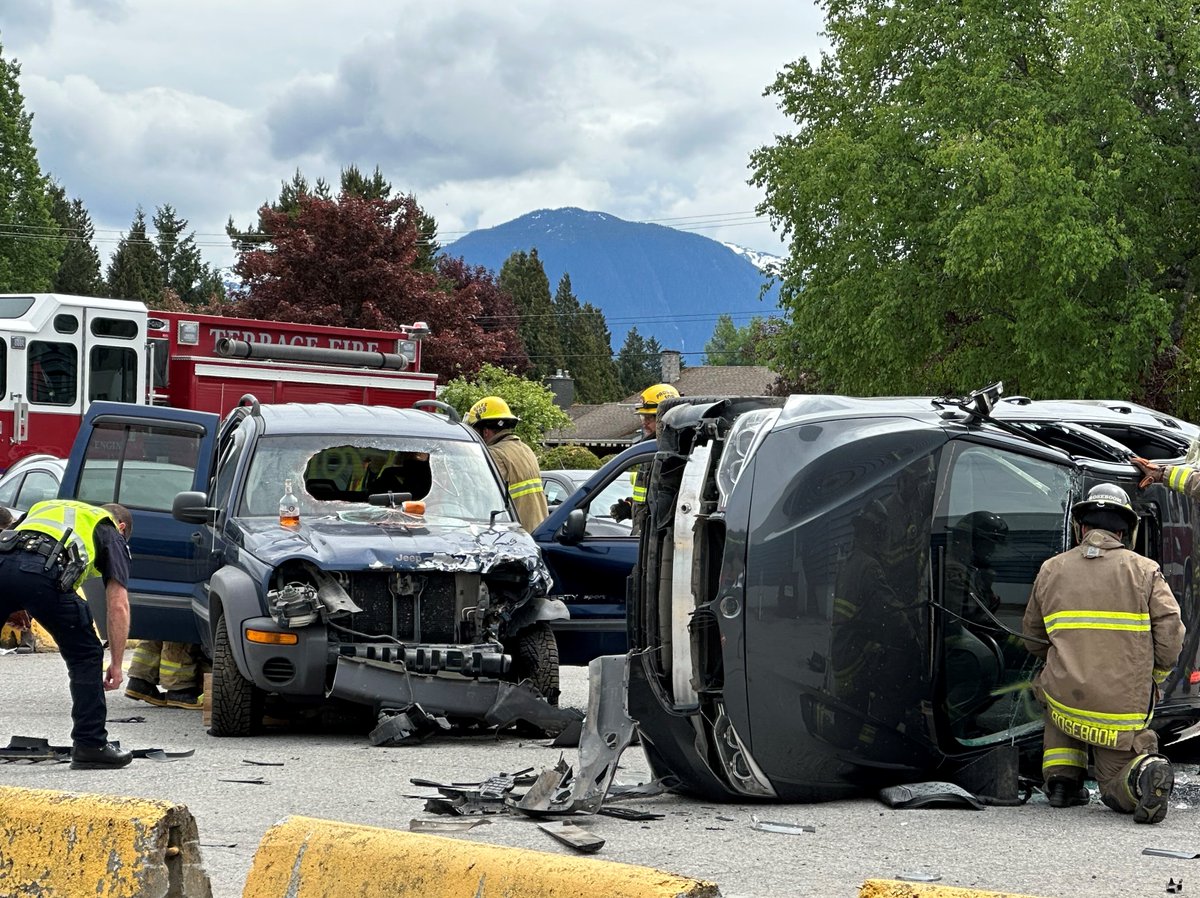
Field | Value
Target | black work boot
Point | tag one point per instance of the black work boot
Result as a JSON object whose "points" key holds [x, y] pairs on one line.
{"points": [[191, 699], [143, 691], [1065, 793], [99, 757], [1155, 780]]}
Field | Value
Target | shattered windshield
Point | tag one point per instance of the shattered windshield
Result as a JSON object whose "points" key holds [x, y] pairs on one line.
{"points": [[335, 477]]}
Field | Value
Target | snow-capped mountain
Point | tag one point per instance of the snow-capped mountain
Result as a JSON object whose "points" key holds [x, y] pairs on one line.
{"points": [[670, 284]]}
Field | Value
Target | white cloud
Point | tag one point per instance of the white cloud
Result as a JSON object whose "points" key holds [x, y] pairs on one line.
{"points": [[485, 112]]}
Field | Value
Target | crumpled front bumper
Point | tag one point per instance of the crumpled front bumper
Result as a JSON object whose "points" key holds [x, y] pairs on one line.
{"points": [[495, 702]]}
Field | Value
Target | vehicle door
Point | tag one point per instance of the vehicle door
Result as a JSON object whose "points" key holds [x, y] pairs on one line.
{"points": [[141, 457], [590, 555]]}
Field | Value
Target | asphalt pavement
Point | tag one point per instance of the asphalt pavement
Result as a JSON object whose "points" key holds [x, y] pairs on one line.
{"points": [[339, 775]]}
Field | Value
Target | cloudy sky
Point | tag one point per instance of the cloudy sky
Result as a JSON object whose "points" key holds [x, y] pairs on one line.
{"points": [[645, 109]]}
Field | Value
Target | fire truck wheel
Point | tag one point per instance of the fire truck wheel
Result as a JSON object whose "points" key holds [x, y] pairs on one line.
{"points": [[237, 705], [535, 658]]}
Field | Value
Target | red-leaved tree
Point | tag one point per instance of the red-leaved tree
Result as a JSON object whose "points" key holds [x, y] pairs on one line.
{"points": [[357, 261]]}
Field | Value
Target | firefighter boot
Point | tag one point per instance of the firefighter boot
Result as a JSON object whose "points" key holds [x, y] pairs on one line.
{"points": [[1063, 792], [1153, 780]]}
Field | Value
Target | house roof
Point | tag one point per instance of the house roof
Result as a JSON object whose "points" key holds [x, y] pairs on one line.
{"points": [[615, 423]]}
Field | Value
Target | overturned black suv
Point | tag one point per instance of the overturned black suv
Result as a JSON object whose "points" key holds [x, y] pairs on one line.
{"points": [[319, 551], [829, 595]]}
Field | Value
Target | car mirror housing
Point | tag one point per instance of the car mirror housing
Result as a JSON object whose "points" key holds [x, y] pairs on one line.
{"points": [[192, 508], [575, 527]]}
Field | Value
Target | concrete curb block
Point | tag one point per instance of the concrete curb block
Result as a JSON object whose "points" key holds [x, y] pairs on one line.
{"points": [[302, 857], [59, 844], [894, 888]]}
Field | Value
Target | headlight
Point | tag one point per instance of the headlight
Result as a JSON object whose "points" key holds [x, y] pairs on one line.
{"points": [[295, 605]]}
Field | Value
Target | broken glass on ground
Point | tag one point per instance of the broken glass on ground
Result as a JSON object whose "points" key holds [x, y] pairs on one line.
{"points": [[572, 835], [918, 876], [771, 826]]}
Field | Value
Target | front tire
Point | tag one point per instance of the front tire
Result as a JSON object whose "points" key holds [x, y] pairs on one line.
{"points": [[535, 658], [237, 704]]}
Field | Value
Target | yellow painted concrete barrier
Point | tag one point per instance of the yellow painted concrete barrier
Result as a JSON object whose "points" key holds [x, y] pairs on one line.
{"points": [[306, 858], [67, 844], [893, 888]]}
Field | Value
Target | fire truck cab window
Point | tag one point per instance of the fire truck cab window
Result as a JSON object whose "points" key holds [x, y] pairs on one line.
{"points": [[112, 374], [15, 306], [53, 374], [119, 328], [66, 324]]}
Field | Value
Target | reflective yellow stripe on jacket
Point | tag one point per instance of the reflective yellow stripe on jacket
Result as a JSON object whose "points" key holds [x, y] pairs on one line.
{"points": [[1177, 477], [525, 488], [1097, 620]]}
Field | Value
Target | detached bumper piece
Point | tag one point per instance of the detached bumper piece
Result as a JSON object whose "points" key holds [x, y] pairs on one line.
{"points": [[496, 703]]}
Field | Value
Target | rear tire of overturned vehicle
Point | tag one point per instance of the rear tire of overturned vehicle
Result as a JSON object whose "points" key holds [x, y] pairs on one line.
{"points": [[535, 658], [237, 705]]}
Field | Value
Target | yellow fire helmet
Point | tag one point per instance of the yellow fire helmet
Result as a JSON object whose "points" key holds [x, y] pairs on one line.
{"points": [[652, 396], [491, 410]]}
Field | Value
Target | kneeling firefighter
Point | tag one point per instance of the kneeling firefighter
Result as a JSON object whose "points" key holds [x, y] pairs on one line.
{"points": [[1108, 627]]}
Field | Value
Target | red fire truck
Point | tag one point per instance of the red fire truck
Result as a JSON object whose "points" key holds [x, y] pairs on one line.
{"points": [[60, 353]]}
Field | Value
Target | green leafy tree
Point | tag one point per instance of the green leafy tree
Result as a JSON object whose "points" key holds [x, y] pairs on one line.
{"points": [[569, 457], [524, 279], [639, 362], [79, 268], [992, 192], [532, 402], [30, 241], [587, 346], [751, 344], [135, 272]]}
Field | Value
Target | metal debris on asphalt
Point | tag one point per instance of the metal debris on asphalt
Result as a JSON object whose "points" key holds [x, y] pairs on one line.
{"points": [[253, 781], [445, 826], [262, 763], [788, 829], [134, 719], [573, 836], [158, 754], [471, 799], [1181, 854], [629, 814], [407, 726], [1175, 885]]}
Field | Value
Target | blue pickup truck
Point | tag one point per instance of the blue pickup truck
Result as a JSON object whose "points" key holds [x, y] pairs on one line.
{"points": [[590, 557]]}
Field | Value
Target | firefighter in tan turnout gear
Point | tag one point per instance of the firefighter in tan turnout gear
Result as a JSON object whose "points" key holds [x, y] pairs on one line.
{"points": [[1109, 629], [494, 420]]}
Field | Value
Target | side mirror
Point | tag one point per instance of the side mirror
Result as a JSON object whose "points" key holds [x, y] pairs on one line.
{"points": [[192, 508], [575, 528]]}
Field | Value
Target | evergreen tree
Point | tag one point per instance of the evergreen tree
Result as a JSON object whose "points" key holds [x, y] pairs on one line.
{"points": [[587, 346], [373, 188], [181, 267], [79, 268], [134, 272], [291, 193], [524, 279], [30, 243], [639, 362]]}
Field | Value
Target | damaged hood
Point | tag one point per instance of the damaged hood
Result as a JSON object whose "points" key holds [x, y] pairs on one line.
{"points": [[334, 544]]}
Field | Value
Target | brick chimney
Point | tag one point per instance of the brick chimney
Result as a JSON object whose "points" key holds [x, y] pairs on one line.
{"points": [[562, 385], [669, 359]]}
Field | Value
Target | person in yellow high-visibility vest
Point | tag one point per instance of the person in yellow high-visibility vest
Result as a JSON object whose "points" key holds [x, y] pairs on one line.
{"points": [[44, 559]]}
